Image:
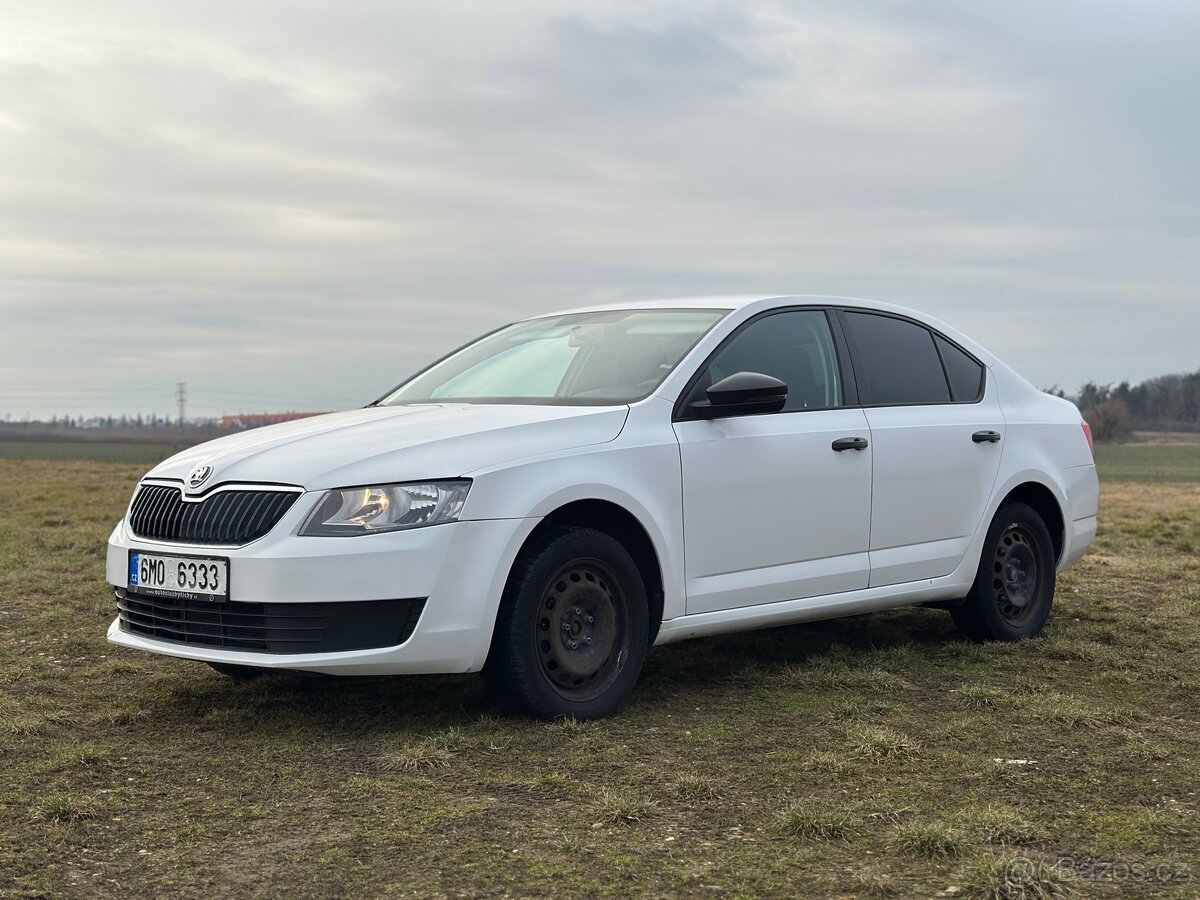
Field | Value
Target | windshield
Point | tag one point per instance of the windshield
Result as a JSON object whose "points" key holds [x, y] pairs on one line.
{"points": [[595, 359]]}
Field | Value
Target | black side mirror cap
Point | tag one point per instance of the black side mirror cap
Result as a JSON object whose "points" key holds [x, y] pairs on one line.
{"points": [[742, 394]]}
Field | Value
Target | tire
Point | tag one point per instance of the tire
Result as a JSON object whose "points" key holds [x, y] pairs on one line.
{"points": [[572, 631], [238, 673], [1014, 587]]}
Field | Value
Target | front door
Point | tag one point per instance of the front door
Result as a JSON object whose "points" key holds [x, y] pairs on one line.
{"points": [[771, 511]]}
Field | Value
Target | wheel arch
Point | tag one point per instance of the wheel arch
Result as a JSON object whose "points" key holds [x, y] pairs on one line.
{"points": [[1046, 504], [621, 524]]}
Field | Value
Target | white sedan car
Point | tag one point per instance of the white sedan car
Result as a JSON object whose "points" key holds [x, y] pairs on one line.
{"points": [[546, 503]]}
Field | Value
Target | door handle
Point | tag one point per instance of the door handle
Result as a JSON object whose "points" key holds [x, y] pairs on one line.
{"points": [[850, 443], [986, 437]]}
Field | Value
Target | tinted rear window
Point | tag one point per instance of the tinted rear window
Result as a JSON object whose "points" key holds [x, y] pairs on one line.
{"points": [[896, 361], [966, 375]]}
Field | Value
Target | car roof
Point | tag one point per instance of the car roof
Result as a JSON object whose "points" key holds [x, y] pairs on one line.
{"points": [[738, 301], [759, 302]]}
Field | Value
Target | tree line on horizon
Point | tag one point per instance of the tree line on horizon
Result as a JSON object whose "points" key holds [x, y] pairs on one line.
{"points": [[149, 420], [1115, 411]]}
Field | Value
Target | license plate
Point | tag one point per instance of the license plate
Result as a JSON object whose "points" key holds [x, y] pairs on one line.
{"points": [[181, 577]]}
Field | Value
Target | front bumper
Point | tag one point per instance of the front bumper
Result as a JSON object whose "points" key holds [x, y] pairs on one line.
{"points": [[460, 567]]}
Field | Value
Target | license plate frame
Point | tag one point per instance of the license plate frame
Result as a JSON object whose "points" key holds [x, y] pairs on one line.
{"points": [[170, 570]]}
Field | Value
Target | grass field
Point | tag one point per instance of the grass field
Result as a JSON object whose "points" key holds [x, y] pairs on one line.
{"points": [[878, 756], [1149, 462], [93, 451]]}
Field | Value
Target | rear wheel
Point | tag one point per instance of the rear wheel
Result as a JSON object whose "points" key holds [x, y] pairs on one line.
{"points": [[238, 673], [1014, 587], [571, 635]]}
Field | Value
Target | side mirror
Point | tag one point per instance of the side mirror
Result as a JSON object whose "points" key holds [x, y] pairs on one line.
{"points": [[742, 394]]}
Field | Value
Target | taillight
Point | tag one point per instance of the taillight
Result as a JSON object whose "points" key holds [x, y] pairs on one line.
{"points": [[1087, 433]]}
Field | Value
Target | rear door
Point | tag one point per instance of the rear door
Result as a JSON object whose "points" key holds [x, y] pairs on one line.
{"points": [[936, 435], [771, 511]]}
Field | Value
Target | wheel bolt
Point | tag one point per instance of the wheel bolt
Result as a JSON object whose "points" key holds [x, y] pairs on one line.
{"points": [[578, 611], [591, 619], [587, 642], [573, 645]]}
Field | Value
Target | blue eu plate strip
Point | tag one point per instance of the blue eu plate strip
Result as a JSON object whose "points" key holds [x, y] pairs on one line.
{"points": [[133, 570]]}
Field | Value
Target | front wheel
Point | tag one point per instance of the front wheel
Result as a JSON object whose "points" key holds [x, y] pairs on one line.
{"points": [[571, 635], [1014, 587]]}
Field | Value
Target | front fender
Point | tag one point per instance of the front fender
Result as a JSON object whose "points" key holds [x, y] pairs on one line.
{"points": [[643, 478]]}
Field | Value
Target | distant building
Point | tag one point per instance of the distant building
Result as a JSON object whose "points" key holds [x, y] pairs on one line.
{"points": [[257, 420]]}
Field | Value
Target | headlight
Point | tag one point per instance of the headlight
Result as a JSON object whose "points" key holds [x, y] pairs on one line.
{"points": [[386, 507]]}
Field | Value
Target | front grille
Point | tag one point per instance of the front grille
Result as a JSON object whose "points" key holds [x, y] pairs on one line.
{"points": [[271, 627], [236, 517]]}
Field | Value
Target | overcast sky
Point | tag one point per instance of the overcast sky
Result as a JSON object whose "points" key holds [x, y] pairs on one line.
{"points": [[292, 205]]}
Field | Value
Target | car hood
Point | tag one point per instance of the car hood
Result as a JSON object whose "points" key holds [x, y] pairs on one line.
{"points": [[380, 444]]}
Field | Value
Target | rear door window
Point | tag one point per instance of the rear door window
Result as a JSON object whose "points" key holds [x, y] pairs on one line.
{"points": [[895, 361]]}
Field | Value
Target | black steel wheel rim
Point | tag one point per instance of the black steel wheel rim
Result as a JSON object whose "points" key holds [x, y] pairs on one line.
{"points": [[581, 634], [1015, 575]]}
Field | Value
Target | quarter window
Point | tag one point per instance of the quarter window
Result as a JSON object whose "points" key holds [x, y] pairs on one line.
{"points": [[965, 374], [794, 346], [895, 362]]}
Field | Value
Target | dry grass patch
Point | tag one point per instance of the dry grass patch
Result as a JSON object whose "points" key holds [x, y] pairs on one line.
{"points": [[1058, 708], [65, 809], [871, 884], [690, 788], [436, 751], [1133, 830], [928, 840], [827, 764], [837, 673], [853, 706], [624, 807], [579, 734], [1015, 878], [981, 696], [881, 741], [814, 822], [1000, 825]]}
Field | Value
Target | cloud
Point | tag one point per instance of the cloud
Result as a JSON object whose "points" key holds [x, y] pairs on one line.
{"points": [[303, 201]]}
